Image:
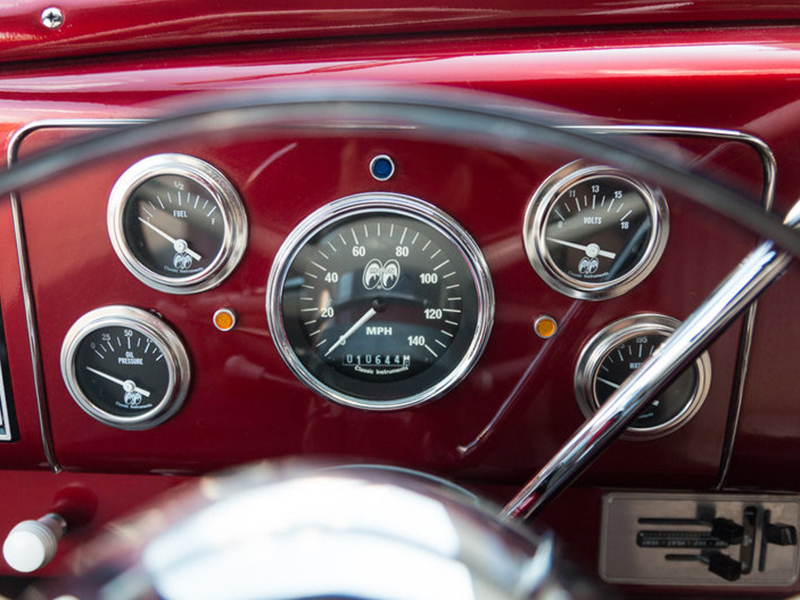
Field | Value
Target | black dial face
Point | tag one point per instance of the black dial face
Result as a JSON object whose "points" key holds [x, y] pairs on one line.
{"points": [[381, 306], [121, 371], [125, 367], [598, 230], [626, 357], [173, 226]]}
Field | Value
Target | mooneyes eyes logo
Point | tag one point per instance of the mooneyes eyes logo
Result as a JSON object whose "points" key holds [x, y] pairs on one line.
{"points": [[381, 276], [182, 261], [133, 398], [588, 266]]}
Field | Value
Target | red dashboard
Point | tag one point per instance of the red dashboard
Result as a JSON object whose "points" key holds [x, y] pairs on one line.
{"points": [[721, 95]]}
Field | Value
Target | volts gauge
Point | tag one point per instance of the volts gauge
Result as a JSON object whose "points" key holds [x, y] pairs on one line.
{"points": [[593, 232], [617, 351], [380, 301], [177, 223], [125, 367]]}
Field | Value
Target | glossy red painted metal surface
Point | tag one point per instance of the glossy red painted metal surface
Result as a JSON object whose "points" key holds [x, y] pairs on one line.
{"points": [[92, 27], [245, 404], [549, 68], [768, 443]]}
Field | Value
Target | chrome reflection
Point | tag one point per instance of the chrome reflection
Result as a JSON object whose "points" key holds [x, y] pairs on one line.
{"points": [[276, 532]]}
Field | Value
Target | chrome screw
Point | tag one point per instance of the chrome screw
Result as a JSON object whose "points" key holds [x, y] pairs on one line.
{"points": [[52, 17]]}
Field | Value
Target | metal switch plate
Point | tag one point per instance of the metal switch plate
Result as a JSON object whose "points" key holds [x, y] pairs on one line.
{"points": [[680, 524]]}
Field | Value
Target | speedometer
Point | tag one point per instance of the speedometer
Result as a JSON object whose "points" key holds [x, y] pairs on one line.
{"points": [[380, 301]]}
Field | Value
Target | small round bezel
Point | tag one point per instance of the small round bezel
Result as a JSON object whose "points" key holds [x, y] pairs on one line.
{"points": [[216, 185], [375, 161], [168, 342], [535, 225], [366, 204], [595, 351]]}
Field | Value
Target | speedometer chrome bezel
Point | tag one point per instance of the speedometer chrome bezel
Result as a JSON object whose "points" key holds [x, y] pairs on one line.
{"points": [[366, 204], [177, 361], [538, 213], [598, 347], [219, 188]]}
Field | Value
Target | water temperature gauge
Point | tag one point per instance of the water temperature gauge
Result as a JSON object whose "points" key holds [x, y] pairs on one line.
{"points": [[177, 223], [125, 367], [617, 351]]}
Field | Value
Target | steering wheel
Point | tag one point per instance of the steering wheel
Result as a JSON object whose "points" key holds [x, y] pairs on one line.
{"points": [[343, 547]]}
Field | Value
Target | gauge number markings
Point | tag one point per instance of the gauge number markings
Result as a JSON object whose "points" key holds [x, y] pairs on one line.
{"points": [[400, 252]]}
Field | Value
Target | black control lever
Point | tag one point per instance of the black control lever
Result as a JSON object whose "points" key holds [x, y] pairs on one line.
{"points": [[719, 564], [727, 531], [781, 534]]}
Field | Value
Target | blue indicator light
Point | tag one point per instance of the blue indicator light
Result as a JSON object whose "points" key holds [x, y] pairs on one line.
{"points": [[381, 167]]}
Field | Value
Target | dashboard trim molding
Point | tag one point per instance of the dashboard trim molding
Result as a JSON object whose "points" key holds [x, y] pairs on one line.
{"points": [[24, 269], [762, 148]]}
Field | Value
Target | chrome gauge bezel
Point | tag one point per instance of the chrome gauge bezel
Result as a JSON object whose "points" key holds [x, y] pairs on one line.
{"points": [[596, 350], [163, 336], [224, 194], [366, 204], [537, 215]]}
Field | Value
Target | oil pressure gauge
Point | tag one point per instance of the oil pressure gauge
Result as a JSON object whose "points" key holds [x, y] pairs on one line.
{"points": [[177, 223], [125, 367], [617, 351], [593, 232]]}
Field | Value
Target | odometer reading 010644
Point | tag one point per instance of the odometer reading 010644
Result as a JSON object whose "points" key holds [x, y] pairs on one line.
{"points": [[380, 301]]}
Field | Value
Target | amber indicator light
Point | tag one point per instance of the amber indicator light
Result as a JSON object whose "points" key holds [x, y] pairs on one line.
{"points": [[545, 327], [224, 319]]}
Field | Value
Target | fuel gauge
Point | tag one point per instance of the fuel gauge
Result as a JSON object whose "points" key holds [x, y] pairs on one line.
{"points": [[177, 223]]}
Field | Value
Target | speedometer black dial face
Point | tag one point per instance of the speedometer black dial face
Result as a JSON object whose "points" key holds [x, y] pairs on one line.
{"points": [[594, 232], [125, 367], [380, 301], [621, 348], [176, 223]]}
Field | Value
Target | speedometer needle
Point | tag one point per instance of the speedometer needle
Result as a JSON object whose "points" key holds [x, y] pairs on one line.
{"points": [[591, 250], [356, 326], [180, 246], [127, 385]]}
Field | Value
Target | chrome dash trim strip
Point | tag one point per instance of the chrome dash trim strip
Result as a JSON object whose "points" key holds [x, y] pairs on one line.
{"points": [[24, 269], [735, 412], [768, 161], [764, 151]]}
